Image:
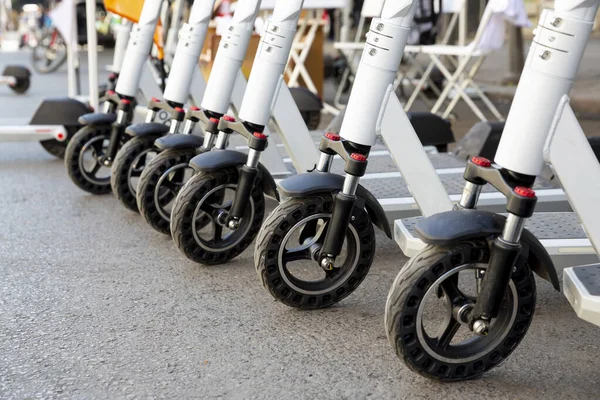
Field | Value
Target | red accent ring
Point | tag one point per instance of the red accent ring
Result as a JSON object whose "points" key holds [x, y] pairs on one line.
{"points": [[358, 157], [525, 192], [214, 120], [179, 110], [228, 118], [112, 77], [125, 101], [260, 135], [111, 92], [332, 136], [155, 100], [481, 161], [194, 108]]}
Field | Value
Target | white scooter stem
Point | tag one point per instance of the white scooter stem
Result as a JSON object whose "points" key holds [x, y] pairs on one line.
{"points": [[551, 67], [121, 33], [380, 61], [230, 56], [189, 47], [138, 49], [270, 61]]}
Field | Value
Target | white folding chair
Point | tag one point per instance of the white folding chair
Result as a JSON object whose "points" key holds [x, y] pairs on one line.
{"points": [[353, 50], [470, 58]]}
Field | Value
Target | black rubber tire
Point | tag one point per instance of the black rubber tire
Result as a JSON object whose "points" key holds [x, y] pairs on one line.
{"points": [[186, 203], [119, 176], [76, 144], [149, 180], [273, 232], [55, 147], [312, 119], [21, 86], [408, 290]]}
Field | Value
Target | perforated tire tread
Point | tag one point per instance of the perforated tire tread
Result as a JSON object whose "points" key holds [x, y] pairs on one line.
{"points": [[119, 177], [270, 238], [150, 178], [83, 136], [405, 289], [183, 210]]}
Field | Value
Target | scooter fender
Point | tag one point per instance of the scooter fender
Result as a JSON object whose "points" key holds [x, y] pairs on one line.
{"points": [[179, 141], [147, 129], [60, 111], [97, 119], [320, 182], [451, 227], [220, 159]]}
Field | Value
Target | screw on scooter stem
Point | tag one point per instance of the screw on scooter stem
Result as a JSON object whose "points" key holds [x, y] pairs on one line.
{"points": [[178, 114], [113, 97], [356, 162], [196, 114], [228, 124], [258, 141], [125, 105], [521, 199]]}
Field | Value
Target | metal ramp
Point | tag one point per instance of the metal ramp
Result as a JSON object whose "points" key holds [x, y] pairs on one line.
{"points": [[559, 232], [581, 286]]}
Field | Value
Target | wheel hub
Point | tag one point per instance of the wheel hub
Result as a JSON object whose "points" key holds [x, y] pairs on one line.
{"points": [[461, 312], [222, 217]]}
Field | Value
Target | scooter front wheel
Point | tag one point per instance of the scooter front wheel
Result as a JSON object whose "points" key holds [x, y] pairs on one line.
{"points": [[288, 247], [128, 167], [85, 159], [428, 308], [161, 181], [199, 221]]}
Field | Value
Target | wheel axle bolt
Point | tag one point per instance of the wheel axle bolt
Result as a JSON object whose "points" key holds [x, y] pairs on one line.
{"points": [[481, 327], [234, 224], [327, 263]]}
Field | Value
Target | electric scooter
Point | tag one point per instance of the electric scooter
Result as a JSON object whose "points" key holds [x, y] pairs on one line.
{"points": [[165, 175], [137, 152], [94, 148], [318, 245], [463, 304], [219, 211]]}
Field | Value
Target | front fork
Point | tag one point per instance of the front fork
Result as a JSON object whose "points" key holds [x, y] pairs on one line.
{"points": [[124, 116], [355, 157], [504, 249], [257, 142]]}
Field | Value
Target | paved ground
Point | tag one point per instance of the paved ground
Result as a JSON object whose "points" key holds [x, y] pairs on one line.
{"points": [[93, 304]]}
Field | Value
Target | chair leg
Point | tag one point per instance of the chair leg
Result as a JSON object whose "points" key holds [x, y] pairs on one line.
{"points": [[469, 82], [419, 87], [451, 80]]}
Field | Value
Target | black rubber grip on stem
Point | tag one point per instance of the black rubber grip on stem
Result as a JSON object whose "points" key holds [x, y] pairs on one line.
{"points": [[497, 277], [338, 225], [244, 189]]}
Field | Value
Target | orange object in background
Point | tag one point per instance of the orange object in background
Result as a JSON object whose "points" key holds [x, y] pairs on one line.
{"points": [[131, 10]]}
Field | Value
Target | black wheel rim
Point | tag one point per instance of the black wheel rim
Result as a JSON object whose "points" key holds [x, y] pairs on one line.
{"points": [[297, 264], [168, 186], [453, 342], [91, 161], [209, 224]]}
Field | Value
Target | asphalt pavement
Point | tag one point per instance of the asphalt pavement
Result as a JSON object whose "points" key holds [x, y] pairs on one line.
{"points": [[94, 304]]}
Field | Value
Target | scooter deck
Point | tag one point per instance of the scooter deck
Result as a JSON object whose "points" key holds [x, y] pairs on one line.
{"points": [[559, 232], [581, 286]]}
